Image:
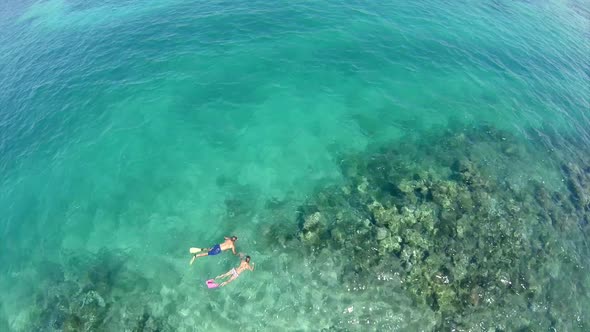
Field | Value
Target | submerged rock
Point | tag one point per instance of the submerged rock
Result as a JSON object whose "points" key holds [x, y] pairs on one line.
{"points": [[312, 221], [382, 233]]}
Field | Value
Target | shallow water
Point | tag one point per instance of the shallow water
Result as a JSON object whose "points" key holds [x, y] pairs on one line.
{"points": [[133, 130]]}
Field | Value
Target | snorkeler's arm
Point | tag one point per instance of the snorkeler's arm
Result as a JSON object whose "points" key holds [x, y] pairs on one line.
{"points": [[233, 249], [251, 267]]}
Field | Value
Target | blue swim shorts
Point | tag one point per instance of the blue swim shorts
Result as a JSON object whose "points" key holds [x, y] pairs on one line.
{"points": [[215, 250]]}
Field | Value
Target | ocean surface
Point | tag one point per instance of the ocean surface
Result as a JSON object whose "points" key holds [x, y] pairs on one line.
{"points": [[133, 130]]}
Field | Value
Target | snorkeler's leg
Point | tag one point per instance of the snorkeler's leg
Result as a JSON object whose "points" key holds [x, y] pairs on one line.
{"points": [[197, 256], [225, 275], [227, 282]]}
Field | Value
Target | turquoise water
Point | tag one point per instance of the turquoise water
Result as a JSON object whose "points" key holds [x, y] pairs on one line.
{"points": [[133, 130]]}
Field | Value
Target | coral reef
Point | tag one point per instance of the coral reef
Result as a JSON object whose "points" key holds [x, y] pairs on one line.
{"points": [[453, 217], [92, 299]]}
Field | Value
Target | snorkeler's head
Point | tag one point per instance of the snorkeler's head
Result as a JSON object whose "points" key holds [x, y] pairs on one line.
{"points": [[234, 238], [247, 259]]}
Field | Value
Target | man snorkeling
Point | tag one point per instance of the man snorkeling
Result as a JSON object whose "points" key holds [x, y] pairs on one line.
{"points": [[228, 244], [234, 273]]}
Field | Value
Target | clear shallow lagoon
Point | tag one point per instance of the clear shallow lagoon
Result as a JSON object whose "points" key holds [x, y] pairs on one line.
{"points": [[133, 130]]}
